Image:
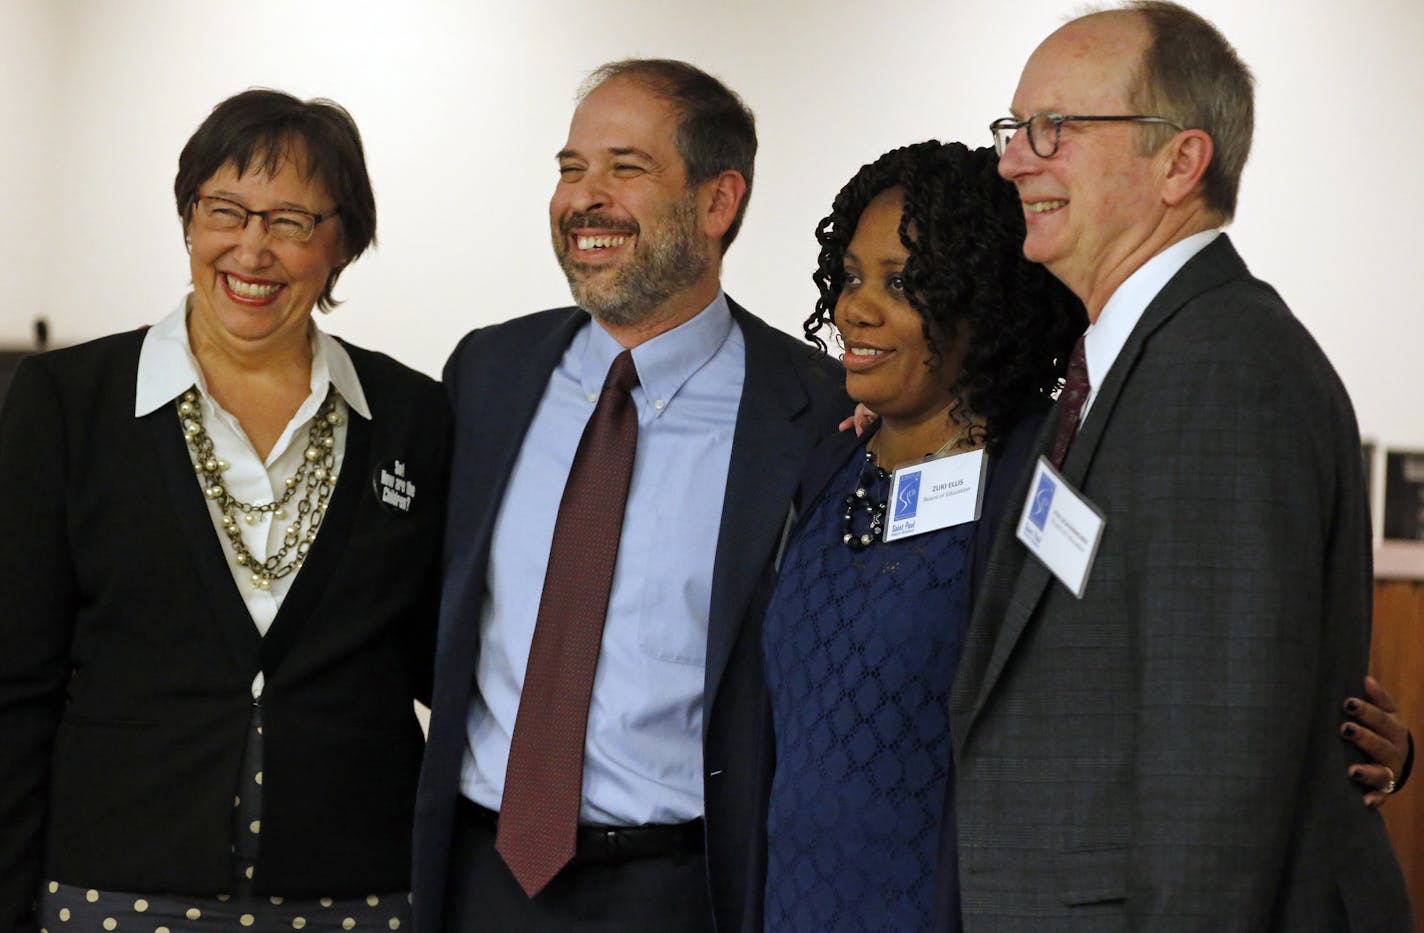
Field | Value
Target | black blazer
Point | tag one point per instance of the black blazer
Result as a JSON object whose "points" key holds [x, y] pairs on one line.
{"points": [[128, 655], [792, 396]]}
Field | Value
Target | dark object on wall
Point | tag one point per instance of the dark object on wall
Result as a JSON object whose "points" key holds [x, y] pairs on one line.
{"points": [[1404, 495]]}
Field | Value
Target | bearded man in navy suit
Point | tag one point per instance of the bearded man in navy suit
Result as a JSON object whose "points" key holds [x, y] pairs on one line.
{"points": [[653, 183]]}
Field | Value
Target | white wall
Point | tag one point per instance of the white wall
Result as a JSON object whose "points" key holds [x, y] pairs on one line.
{"points": [[463, 105], [29, 95]]}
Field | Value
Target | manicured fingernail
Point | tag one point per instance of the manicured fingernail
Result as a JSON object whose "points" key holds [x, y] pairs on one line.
{"points": [[1349, 730], [1355, 774], [1351, 706]]}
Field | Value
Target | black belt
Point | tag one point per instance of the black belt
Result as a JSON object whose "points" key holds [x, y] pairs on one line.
{"points": [[615, 843]]}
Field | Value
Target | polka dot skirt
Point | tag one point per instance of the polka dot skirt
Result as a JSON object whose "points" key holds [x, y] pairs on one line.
{"points": [[66, 907]]}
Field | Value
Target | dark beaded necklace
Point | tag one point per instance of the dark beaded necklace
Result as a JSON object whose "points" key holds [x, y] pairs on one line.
{"points": [[864, 518]]}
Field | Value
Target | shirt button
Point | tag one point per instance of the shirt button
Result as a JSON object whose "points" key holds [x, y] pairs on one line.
{"points": [[593, 396], [658, 404]]}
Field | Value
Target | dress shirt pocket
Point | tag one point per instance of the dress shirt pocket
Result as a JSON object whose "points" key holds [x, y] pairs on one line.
{"points": [[677, 591], [1091, 876]]}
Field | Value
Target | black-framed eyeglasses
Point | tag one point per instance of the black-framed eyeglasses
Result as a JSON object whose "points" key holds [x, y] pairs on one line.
{"points": [[1045, 127], [283, 223]]}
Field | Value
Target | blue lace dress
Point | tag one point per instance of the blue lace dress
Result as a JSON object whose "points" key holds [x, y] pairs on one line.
{"points": [[860, 650]]}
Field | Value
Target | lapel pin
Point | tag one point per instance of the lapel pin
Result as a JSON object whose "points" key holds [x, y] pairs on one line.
{"points": [[394, 489]]}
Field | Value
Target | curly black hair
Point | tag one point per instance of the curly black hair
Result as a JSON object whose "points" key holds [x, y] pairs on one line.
{"points": [[963, 228]]}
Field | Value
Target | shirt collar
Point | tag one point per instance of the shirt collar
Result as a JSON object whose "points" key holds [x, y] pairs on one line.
{"points": [[666, 362], [1106, 337], [339, 369], [167, 367]]}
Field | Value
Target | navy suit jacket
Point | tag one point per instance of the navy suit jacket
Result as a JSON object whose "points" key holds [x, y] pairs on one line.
{"points": [[792, 397]]}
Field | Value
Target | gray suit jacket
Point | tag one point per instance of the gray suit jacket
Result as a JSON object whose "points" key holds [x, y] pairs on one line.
{"points": [[1161, 754]]}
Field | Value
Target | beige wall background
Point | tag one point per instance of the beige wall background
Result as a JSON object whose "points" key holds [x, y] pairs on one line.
{"points": [[463, 105]]}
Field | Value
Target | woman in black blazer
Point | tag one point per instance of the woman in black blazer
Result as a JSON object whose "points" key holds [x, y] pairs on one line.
{"points": [[218, 574]]}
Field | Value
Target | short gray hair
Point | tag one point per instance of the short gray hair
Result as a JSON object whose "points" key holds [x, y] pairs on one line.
{"points": [[1191, 74]]}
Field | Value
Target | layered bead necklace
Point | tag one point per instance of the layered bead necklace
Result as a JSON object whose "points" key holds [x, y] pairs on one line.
{"points": [[310, 485]]}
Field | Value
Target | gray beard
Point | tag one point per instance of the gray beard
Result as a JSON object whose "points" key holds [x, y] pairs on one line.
{"points": [[672, 262]]}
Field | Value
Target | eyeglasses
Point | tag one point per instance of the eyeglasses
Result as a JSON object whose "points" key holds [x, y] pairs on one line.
{"points": [[1044, 128], [283, 223]]}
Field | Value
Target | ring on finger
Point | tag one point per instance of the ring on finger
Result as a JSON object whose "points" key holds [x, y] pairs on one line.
{"points": [[1389, 786]]}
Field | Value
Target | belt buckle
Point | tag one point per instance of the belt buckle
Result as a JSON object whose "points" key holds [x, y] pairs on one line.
{"points": [[610, 843]]}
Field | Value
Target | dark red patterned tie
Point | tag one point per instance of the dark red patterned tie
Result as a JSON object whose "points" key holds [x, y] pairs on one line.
{"points": [[1070, 403], [538, 818]]}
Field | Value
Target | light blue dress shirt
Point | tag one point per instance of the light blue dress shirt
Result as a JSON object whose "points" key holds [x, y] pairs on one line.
{"points": [[643, 751]]}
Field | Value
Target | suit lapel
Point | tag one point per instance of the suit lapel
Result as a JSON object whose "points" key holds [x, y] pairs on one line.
{"points": [[493, 411], [768, 450], [1011, 587], [824, 463], [320, 563], [1001, 617], [204, 550], [1215, 264]]}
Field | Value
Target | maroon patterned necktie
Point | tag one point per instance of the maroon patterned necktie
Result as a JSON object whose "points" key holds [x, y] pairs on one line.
{"points": [[543, 783], [1070, 403]]}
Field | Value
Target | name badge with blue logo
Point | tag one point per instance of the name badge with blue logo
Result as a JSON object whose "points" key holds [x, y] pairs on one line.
{"points": [[938, 493], [1060, 527]]}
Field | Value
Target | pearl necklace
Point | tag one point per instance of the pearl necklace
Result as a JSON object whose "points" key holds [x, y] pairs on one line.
{"points": [[315, 478]]}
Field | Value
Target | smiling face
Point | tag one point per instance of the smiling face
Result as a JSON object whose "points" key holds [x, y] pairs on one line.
{"points": [[251, 290], [627, 229], [889, 364], [1091, 207]]}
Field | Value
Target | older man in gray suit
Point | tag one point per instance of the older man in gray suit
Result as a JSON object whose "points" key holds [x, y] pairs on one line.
{"points": [[1144, 711]]}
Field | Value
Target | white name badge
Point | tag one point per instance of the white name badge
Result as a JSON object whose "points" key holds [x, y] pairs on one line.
{"points": [[1060, 527], [934, 494]]}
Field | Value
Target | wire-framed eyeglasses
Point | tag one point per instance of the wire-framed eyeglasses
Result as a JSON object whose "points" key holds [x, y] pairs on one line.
{"points": [[1045, 127]]}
